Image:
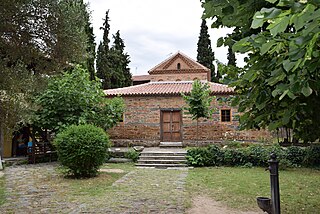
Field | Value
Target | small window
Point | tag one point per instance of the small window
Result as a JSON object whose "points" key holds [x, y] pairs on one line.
{"points": [[178, 80], [122, 118], [160, 80], [178, 66], [225, 115]]}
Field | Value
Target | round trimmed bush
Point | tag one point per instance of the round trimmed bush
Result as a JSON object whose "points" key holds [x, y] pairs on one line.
{"points": [[82, 149]]}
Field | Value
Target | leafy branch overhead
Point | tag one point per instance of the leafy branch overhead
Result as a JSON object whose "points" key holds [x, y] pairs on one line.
{"points": [[281, 82]]}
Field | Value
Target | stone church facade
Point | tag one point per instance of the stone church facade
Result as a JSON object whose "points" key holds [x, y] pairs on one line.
{"points": [[155, 109]]}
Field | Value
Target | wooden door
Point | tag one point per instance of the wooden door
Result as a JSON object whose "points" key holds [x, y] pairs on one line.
{"points": [[171, 126]]}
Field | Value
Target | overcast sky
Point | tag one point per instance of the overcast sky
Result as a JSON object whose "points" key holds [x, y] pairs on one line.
{"points": [[152, 30]]}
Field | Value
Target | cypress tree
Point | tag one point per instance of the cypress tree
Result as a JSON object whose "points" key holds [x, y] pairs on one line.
{"points": [[113, 63], [103, 55], [121, 62], [231, 56], [91, 46], [205, 54]]}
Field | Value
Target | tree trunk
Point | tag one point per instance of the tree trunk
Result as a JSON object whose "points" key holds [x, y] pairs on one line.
{"points": [[197, 131], [1, 141]]}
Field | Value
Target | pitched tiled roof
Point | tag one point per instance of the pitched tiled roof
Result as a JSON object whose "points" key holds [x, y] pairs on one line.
{"points": [[141, 78], [166, 88], [193, 66]]}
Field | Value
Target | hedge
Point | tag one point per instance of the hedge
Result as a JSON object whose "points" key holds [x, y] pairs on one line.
{"points": [[254, 155]]}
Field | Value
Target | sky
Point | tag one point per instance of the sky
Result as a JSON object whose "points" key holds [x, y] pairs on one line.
{"points": [[153, 30]]}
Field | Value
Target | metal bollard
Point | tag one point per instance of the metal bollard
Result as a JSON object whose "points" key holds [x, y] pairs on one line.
{"points": [[274, 182], [272, 206]]}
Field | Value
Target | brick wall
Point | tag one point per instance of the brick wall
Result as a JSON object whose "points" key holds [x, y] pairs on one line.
{"points": [[179, 77], [141, 124]]}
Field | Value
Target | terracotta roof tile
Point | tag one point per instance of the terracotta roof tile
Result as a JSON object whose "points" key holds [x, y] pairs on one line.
{"points": [[165, 88], [141, 77]]}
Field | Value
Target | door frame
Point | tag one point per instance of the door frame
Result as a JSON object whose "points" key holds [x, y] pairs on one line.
{"points": [[161, 121]]}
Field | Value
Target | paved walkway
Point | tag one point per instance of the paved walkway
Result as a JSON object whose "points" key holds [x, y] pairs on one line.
{"points": [[39, 189]]}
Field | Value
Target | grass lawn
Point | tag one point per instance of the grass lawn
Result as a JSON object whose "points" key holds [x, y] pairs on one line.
{"points": [[239, 187], [2, 191], [97, 186], [159, 191]]}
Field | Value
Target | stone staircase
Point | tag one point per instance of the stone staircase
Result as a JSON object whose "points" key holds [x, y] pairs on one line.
{"points": [[162, 158]]}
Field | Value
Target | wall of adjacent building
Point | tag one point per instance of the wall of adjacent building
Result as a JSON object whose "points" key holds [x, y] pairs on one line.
{"points": [[141, 124]]}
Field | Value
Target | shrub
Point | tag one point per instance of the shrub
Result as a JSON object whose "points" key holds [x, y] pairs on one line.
{"points": [[132, 154], [82, 149], [234, 157], [199, 156], [205, 156], [295, 155], [254, 155], [216, 155], [257, 155], [312, 157]]}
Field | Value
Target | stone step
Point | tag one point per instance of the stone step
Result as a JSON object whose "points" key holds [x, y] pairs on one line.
{"points": [[163, 153], [161, 165], [162, 161], [170, 144], [160, 157]]}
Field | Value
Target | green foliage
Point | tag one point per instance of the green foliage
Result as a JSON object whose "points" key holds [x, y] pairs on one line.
{"points": [[36, 40], [205, 54], [205, 156], [234, 157], [112, 63], [296, 155], [228, 73], [258, 155], [312, 157], [132, 154], [82, 149], [254, 155], [74, 99], [199, 101], [280, 84], [91, 47]]}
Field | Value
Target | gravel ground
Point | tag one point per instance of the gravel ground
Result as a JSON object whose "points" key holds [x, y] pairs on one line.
{"points": [[39, 189]]}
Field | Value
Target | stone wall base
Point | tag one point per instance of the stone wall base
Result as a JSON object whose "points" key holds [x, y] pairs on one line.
{"points": [[156, 143], [136, 142]]}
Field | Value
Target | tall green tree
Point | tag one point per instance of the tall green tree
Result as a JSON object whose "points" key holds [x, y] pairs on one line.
{"points": [[91, 46], [121, 60], [112, 63], [36, 40], [205, 54], [73, 99], [103, 55], [199, 102], [281, 82]]}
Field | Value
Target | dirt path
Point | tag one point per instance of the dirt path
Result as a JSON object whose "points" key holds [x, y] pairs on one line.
{"points": [[205, 205]]}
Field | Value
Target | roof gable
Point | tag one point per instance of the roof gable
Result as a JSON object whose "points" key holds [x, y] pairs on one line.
{"points": [[178, 63]]}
